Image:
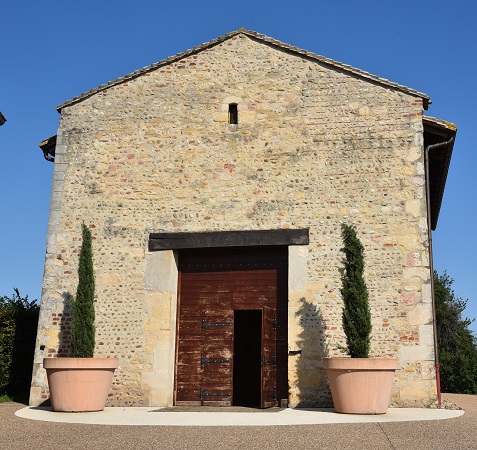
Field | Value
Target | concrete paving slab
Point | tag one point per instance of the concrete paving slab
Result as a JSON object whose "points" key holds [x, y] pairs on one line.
{"points": [[459, 433], [290, 416]]}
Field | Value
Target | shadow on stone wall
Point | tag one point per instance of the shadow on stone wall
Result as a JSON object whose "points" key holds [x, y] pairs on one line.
{"points": [[311, 378], [64, 320]]}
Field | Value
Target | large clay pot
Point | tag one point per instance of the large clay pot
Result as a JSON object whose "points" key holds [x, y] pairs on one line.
{"points": [[79, 384], [360, 385]]}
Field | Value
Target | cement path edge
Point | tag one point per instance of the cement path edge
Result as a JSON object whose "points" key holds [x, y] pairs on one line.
{"points": [[148, 416]]}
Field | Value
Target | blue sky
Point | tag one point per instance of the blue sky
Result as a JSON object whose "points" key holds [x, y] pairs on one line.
{"points": [[54, 50]]}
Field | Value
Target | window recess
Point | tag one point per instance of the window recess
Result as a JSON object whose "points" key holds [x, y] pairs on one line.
{"points": [[233, 114]]}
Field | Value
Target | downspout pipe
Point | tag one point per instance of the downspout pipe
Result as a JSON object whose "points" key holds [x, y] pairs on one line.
{"points": [[431, 260], [47, 156]]}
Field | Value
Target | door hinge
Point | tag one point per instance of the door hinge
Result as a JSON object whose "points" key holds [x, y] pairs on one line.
{"points": [[272, 361], [273, 322], [208, 324], [204, 361], [209, 394]]}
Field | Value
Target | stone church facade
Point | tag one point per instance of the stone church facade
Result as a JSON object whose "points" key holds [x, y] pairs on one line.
{"points": [[214, 183]]}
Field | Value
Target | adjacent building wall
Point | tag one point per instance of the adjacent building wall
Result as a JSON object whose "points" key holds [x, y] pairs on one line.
{"points": [[313, 147]]}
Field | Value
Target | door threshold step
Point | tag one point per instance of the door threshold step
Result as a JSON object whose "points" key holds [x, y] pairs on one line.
{"points": [[228, 409]]}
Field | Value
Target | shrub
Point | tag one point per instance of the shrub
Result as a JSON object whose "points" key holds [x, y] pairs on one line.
{"points": [[18, 325]]}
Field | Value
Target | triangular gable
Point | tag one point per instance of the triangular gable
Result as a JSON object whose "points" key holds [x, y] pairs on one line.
{"points": [[260, 38]]}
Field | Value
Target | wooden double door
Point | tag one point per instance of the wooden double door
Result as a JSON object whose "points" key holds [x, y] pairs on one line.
{"points": [[232, 327]]}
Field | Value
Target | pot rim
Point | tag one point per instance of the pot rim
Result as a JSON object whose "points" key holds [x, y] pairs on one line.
{"points": [[347, 363], [80, 363]]}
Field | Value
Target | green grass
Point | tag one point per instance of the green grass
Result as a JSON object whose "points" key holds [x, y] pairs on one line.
{"points": [[5, 398], [18, 398]]}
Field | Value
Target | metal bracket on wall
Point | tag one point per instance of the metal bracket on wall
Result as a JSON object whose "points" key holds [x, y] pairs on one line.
{"points": [[272, 361], [208, 394], [208, 324], [274, 323], [204, 361]]}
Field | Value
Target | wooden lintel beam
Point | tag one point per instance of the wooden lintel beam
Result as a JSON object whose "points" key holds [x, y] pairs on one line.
{"points": [[249, 238]]}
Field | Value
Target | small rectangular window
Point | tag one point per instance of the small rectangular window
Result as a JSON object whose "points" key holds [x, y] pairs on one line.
{"points": [[233, 114]]}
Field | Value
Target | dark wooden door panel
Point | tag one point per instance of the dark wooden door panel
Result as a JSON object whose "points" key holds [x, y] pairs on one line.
{"points": [[214, 283], [255, 288], [217, 357], [191, 327], [269, 357], [188, 366]]}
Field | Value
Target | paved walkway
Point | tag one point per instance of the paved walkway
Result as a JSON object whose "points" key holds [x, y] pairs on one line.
{"points": [[230, 418], [460, 433]]}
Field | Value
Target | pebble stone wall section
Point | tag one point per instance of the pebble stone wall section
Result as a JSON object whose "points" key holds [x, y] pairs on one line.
{"points": [[314, 146]]}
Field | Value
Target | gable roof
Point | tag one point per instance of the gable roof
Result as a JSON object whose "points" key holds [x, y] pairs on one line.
{"points": [[260, 38]]}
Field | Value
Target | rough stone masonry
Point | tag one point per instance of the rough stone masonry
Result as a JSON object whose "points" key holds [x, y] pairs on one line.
{"points": [[316, 144]]}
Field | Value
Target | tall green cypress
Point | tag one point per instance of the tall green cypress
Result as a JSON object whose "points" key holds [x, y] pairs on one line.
{"points": [[356, 314], [82, 329]]}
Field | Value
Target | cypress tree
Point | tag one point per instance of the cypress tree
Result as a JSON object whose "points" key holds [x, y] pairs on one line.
{"points": [[356, 314], [82, 329]]}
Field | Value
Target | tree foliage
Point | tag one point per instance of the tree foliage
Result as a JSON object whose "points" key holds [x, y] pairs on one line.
{"points": [[82, 329], [18, 325], [456, 343], [356, 315]]}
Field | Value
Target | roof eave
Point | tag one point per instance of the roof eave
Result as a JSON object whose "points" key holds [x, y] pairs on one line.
{"points": [[48, 147], [437, 131]]}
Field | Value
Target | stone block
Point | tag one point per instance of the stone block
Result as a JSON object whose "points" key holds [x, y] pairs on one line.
{"points": [[417, 393], [35, 396], [160, 397], [420, 314], [297, 267], [161, 271], [417, 272], [428, 370], [413, 207], [426, 293], [426, 335], [154, 380], [417, 353]]}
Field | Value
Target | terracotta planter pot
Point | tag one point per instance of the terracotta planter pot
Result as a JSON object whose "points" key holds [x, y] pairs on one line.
{"points": [[79, 384], [360, 385]]}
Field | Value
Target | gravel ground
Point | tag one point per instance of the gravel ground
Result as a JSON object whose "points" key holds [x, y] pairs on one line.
{"points": [[459, 433]]}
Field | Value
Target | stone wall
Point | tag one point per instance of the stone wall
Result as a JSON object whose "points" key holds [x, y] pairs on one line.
{"points": [[313, 147]]}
